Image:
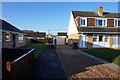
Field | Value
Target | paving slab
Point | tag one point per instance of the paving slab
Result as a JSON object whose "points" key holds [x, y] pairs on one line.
{"points": [[46, 66]]}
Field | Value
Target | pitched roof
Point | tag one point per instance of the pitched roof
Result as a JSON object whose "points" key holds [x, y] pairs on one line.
{"points": [[8, 27], [62, 34], [34, 34], [95, 14], [98, 29]]}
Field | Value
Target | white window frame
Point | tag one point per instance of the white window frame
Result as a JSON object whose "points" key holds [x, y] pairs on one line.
{"points": [[9, 36], [85, 21], [115, 45], [19, 38], [0, 36], [102, 22], [117, 22]]}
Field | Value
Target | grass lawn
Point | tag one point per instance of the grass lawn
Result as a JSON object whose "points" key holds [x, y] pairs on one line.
{"points": [[109, 55], [39, 47]]}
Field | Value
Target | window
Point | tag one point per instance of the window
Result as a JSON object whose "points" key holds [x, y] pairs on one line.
{"points": [[95, 38], [82, 22], [0, 36], [21, 37], [106, 39], [100, 38], [7, 37], [100, 22], [104, 22], [117, 23], [116, 41]]}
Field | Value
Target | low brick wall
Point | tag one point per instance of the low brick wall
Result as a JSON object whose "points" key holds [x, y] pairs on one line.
{"points": [[14, 68]]}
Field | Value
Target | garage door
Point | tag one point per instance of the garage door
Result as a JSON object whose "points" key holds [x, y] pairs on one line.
{"points": [[60, 40]]}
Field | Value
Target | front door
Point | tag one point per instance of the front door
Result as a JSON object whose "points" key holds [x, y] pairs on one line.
{"points": [[13, 40], [101, 41], [82, 41]]}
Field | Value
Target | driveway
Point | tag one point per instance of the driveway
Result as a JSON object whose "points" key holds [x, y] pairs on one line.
{"points": [[46, 66], [77, 65]]}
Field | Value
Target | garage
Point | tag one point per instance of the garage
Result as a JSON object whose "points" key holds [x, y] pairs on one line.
{"points": [[60, 40]]}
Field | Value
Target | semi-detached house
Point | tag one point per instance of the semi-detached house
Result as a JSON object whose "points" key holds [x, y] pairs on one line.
{"points": [[94, 29]]}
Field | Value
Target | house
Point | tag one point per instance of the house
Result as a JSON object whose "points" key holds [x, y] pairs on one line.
{"points": [[34, 35], [94, 29], [61, 38], [10, 36]]}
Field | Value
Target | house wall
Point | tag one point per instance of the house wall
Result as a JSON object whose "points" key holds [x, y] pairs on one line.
{"points": [[89, 40], [9, 44], [6, 44], [74, 37], [72, 29], [19, 44], [78, 21]]}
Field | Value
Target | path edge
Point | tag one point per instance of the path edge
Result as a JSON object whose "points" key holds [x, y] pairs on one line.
{"points": [[116, 67]]}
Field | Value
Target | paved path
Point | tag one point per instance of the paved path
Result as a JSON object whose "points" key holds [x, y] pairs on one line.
{"points": [[77, 65], [46, 66]]}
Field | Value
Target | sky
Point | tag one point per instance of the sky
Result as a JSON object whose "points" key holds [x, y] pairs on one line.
{"points": [[45, 16]]}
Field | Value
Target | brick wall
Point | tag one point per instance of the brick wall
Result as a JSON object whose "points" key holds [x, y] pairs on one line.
{"points": [[19, 44], [78, 21], [90, 21], [110, 22], [89, 40], [9, 44], [74, 37]]}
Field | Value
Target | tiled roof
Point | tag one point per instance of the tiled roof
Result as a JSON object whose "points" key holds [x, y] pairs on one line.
{"points": [[98, 29], [8, 27], [95, 14], [62, 34]]}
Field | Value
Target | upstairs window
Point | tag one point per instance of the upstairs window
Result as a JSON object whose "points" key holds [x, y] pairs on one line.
{"points": [[83, 22], [7, 36], [100, 22], [117, 23]]}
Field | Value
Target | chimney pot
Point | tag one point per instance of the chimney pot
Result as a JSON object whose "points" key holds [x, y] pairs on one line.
{"points": [[100, 11]]}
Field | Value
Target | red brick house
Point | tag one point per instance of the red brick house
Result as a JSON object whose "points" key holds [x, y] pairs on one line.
{"points": [[10, 36], [94, 29]]}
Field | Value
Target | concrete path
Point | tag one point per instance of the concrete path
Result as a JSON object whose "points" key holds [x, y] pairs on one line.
{"points": [[77, 65], [46, 66]]}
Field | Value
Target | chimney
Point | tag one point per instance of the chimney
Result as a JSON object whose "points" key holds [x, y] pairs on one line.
{"points": [[100, 11]]}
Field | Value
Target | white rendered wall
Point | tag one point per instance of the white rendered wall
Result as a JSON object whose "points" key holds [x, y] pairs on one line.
{"points": [[72, 29]]}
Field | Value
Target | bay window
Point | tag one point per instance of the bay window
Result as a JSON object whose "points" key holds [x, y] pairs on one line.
{"points": [[94, 38], [116, 41]]}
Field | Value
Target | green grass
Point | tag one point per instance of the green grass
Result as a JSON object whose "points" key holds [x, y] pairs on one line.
{"points": [[39, 47], [109, 55]]}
